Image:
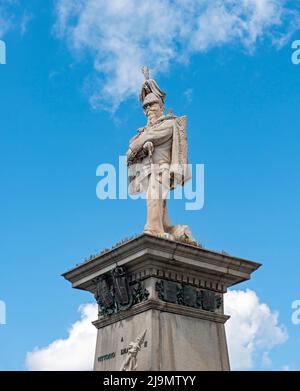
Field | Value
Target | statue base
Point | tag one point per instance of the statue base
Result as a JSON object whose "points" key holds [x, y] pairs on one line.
{"points": [[160, 304]]}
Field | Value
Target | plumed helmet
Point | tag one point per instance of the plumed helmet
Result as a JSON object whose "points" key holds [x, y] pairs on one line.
{"points": [[150, 92]]}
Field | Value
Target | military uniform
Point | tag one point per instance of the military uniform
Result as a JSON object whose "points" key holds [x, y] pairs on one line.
{"points": [[155, 173]]}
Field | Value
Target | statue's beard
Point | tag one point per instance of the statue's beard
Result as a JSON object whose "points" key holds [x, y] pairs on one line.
{"points": [[153, 118]]}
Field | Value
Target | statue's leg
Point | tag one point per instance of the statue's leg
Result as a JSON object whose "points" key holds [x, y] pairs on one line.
{"points": [[165, 181], [154, 202], [166, 220]]}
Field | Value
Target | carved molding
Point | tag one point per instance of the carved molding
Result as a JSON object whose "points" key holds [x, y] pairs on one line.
{"points": [[187, 295], [177, 276], [153, 304]]}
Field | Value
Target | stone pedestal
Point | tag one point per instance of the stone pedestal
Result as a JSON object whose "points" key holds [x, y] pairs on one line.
{"points": [[168, 297]]}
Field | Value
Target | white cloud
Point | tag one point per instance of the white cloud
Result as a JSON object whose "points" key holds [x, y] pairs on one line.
{"points": [[5, 20], [11, 17], [25, 20], [123, 35], [266, 360], [252, 331], [286, 368], [74, 353]]}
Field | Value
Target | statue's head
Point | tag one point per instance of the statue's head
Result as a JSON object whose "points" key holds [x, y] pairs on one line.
{"points": [[153, 110], [152, 98]]}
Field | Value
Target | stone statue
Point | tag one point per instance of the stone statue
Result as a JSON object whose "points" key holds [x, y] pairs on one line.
{"points": [[157, 161], [130, 363]]}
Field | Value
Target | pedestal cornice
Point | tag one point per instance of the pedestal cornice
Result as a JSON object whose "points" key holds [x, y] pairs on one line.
{"points": [[154, 256]]}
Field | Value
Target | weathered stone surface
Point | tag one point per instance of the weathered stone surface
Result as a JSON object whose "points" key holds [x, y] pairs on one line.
{"points": [[173, 342], [180, 291]]}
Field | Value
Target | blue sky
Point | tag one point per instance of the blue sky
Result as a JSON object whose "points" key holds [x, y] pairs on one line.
{"points": [[63, 111]]}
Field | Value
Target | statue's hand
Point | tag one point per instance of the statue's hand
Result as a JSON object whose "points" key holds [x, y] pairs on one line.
{"points": [[148, 147]]}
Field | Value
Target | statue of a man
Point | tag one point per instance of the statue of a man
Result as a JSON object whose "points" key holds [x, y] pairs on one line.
{"points": [[157, 161], [130, 363]]}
